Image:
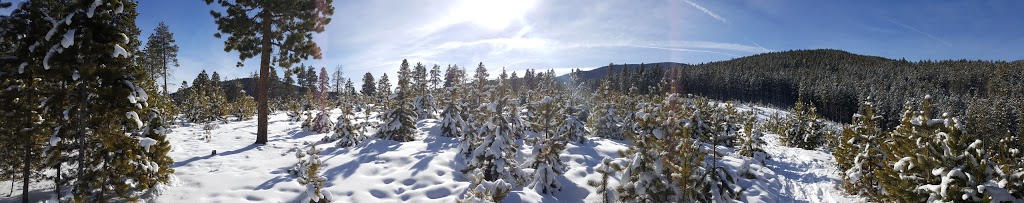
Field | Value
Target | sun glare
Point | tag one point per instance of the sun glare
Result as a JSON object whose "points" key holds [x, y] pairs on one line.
{"points": [[493, 14]]}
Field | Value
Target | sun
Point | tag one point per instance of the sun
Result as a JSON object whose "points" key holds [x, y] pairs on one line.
{"points": [[493, 14]]}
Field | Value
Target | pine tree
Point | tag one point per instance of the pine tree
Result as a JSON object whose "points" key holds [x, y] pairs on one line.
{"points": [[606, 121], [495, 155], [1008, 161], [607, 169], [284, 26], [860, 154], [435, 78], [664, 164], [546, 162], [245, 107], [934, 159], [218, 105], [751, 144], [338, 79], [399, 124], [452, 124], [288, 90], [322, 89], [350, 89], [805, 129], [23, 129], [103, 91], [383, 90], [482, 190], [572, 128], [161, 53], [308, 172], [345, 132], [548, 165], [369, 87]]}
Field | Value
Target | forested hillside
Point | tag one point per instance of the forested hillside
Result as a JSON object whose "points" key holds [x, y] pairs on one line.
{"points": [[835, 81]]}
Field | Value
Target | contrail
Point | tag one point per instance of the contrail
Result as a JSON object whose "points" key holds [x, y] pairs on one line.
{"points": [[758, 45], [684, 49], [712, 14], [923, 33]]}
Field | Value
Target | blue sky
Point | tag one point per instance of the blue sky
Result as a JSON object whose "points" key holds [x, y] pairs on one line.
{"points": [[374, 36]]}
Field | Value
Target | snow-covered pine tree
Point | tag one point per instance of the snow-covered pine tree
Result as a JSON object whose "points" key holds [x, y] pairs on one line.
{"points": [[308, 172], [294, 110], [92, 55], [934, 159], [153, 138], [424, 107], [751, 143], [726, 123], [1008, 161], [399, 122], [572, 128], [452, 124], [245, 106], [548, 165], [805, 130], [860, 154], [545, 119], [546, 161], [483, 191], [607, 169], [495, 155], [218, 100], [321, 123], [643, 178], [345, 132], [383, 91], [606, 121], [23, 129]]}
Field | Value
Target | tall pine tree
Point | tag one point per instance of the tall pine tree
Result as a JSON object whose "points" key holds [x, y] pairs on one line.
{"points": [[264, 27]]}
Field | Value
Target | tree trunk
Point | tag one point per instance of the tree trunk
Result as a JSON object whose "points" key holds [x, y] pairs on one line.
{"points": [[82, 99], [262, 90], [57, 183], [165, 74], [12, 182], [25, 170]]}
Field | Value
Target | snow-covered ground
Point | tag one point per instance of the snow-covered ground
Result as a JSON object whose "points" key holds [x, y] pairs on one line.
{"points": [[427, 169]]}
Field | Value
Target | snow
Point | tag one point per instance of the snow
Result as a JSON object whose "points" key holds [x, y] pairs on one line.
{"points": [[146, 142], [903, 164], [21, 68], [119, 51], [427, 168], [75, 76], [92, 8], [134, 117], [69, 39], [49, 54]]}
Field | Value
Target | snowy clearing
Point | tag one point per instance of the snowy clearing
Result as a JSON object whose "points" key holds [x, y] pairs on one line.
{"points": [[427, 169]]}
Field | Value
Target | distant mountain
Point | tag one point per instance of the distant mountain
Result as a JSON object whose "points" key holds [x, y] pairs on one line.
{"points": [[840, 56], [602, 71], [837, 81]]}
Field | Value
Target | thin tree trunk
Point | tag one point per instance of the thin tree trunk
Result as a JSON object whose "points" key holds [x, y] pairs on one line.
{"points": [[25, 170], [82, 99], [57, 183], [262, 85], [12, 183], [165, 74]]}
